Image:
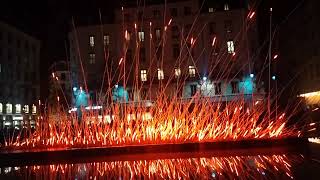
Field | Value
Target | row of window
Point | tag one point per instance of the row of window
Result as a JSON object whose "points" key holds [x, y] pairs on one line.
{"points": [[175, 33], [174, 12], [18, 108], [217, 88], [18, 43], [177, 73], [175, 48]]}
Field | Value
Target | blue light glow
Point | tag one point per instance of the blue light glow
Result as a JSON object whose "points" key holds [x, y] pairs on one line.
{"points": [[74, 88]]}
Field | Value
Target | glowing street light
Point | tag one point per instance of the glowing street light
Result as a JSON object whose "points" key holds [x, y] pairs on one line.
{"points": [[251, 75]]}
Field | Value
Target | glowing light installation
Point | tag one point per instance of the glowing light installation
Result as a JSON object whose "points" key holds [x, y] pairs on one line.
{"points": [[167, 121]]}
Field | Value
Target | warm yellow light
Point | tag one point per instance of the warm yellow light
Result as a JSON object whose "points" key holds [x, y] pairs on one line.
{"points": [[311, 94]]}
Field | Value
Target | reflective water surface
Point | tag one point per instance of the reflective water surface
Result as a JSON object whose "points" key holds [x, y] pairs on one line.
{"points": [[281, 166]]}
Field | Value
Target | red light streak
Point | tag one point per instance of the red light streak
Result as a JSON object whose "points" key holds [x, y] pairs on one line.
{"points": [[120, 61], [252, 14], [214, 41]]}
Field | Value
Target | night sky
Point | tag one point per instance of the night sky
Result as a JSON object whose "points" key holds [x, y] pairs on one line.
{"points": [[50, 20]]}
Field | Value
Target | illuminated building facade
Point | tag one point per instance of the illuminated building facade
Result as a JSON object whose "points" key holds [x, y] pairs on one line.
{"points": [[19, 77], [208, 50]]}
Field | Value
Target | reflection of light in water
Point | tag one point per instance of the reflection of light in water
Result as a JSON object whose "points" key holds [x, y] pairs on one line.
{"points": [[257, 167]]}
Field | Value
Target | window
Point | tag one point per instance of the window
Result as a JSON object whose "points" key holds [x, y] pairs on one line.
{"points": [[18, 108], [217, 88], [8, 108], [212, 28], [127, 17], [63, 76], [160, 74], [91, 41], [129, 55], [18, 43], [187, 29], [34, 109], [143, 74], [159, 52], [156, 14], [228, 26], [158, 34], [140, 15], [211, 10], [1, 108], [175, 33], [26, 109], [143, 54], [192, 71], [177, 72], [226, 7], [176, 51], [141, 36], [193, 89], [235, 87], [106, 40], [187, 11], [174, 12], [230, 46], [92, 58], [9, 38]]}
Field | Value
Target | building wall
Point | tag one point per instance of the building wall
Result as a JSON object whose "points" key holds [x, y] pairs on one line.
{"points": [[178, 23], [19, 70], [299, 39]]}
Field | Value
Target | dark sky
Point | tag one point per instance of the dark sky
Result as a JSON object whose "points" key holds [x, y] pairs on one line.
{"points": [[49, 21]]}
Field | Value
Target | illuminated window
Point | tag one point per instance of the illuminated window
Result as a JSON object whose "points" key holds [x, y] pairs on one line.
{"points": [[230, 45], [8, 108], [192, 71], [92, 58], [34, 109], [141, 36], [158, 33], [106, 40], [226, 7], [160, 74], [91, 41], [177, 72], [18, 108], [1, 108], [210, 10], [26, 109], [143, 74]]}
